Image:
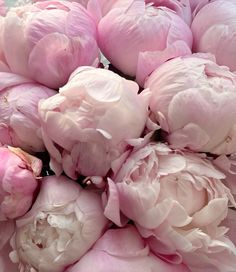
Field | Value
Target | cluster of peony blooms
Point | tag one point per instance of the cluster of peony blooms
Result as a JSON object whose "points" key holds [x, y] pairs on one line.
{"points": [[118, 136]]}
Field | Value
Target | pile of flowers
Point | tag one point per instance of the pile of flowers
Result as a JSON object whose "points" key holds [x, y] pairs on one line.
{"points": [[118, 136]]}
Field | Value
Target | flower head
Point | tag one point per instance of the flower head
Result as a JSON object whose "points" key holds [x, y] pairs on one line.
{"points": [[177, 200], [137, 39], [214, 30], [193, 100], [86, 125], [62, 225], [48, 40], [19, 118]]}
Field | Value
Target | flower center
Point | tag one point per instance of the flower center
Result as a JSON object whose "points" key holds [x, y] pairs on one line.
{"points": [[49, 229]]}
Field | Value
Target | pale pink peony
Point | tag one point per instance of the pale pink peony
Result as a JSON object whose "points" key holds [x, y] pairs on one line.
{"points": [[137, 39], [177, 201], [18, 181], [123, 250], [64, 222], [193, 100], [48, 40], [214, 29], [19, 120], [86, 125]]}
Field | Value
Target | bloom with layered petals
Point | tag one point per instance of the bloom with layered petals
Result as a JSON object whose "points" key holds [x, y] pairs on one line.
{"points": [[47, 41], [193, 100], [18, 181], [214, 29], [123, 250], [19, 118], [62, 225], [177, 200], [137, 39], [86, 125]]}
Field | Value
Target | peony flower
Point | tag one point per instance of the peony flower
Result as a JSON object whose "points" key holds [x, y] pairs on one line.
{"points": [[18, 181], [123, 250], [48, 40], [193, 100], [62, 225], [136, 40], [86, 125], [213, 30], [19, 120], [177, 201]]}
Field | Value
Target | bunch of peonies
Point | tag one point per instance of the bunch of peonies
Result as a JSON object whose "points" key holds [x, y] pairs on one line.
{"points": [[118, 136]]}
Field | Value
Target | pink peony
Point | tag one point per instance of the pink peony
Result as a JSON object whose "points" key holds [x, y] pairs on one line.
{"points": [[193, 100], [86, 125], [18, 181], [123, 250], [46, 41], [137, 39], [177, 201], [62, 225], [19, 120], [214, 30]]}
